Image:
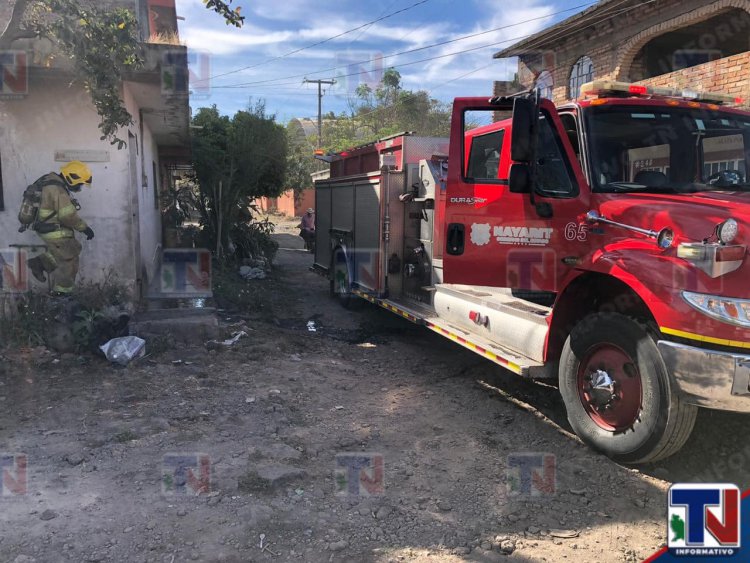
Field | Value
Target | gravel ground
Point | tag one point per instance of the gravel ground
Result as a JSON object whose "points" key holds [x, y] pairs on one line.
{"points": [[270, 425]]}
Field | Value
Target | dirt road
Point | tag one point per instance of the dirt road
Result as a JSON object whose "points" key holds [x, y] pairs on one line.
{"points": [[196, 456]]}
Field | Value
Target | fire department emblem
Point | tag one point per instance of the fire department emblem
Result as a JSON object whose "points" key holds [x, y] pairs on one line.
{"points": [[480, 234]]}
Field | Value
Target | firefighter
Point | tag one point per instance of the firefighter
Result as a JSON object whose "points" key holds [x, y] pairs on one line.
{"points": [[56, 221]]}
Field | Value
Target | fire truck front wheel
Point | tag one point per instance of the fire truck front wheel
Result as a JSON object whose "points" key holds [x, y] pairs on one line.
{"points": [[618, 393]]}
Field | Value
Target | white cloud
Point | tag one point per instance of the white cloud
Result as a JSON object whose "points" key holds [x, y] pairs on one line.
{"points": [[274, 28], [229, 41]]}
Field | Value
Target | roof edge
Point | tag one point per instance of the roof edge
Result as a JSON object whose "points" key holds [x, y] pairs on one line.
{"points": [[522, 46]]}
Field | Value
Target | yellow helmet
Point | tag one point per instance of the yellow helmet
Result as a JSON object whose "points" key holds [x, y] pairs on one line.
{"points": [[76, 173]]}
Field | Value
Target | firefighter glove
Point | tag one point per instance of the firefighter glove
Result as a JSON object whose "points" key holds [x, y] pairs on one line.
{"points": [[89, 233]]}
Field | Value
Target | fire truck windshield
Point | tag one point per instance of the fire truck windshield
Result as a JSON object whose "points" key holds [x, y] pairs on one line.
{"points": [[667, 149]]}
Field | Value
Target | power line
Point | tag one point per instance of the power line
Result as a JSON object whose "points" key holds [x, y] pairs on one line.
{"points": [[608, 15], [320, 105], [440, 85], [559, 35], [417, 49], [361, 33], [588, 20], [365, 25]]}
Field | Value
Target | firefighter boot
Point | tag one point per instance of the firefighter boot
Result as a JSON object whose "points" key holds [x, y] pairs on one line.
{"points": [[37, 268]]}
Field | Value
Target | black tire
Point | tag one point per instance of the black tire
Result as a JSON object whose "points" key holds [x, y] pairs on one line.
{"points": [[663, 421], [338, 276]]}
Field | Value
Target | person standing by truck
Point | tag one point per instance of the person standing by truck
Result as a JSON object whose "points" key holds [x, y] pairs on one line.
{"points": [[307, 229], [49, 208]]}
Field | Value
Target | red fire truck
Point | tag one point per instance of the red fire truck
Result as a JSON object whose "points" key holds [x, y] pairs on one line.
{"points": [[601, 243]]}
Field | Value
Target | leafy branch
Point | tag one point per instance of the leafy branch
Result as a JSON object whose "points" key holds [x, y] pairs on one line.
{"points": [[231, 16], [103, 43]]}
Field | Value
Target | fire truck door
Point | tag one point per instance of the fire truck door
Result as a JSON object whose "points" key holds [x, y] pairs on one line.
{"points": [[517, 240]]}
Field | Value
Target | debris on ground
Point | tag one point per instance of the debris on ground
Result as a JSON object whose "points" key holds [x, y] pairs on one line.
{"points": [[368, 440], [250, 273], [564, 534], [124, 349], [215, 344]]}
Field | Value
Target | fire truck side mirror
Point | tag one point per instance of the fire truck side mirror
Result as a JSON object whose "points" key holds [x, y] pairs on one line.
{"points": [[525, 119], [519, 180]]}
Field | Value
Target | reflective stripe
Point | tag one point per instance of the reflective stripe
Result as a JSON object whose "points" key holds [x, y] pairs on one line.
{"points": [[62, 289], [67, 210], [44, 213], [51, 259], [55, 235], [702, 338]]}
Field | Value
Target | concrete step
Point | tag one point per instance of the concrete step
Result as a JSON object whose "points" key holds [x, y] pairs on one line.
{"points": [[181, 321]]}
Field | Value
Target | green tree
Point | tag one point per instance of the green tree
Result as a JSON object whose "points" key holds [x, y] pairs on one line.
{"points": [[236, 160], [345, 131], [300, 161], [386, 110], [101, 41]]}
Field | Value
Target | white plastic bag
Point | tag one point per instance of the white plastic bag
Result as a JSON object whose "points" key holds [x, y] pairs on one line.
{"points": [[124, 350]]}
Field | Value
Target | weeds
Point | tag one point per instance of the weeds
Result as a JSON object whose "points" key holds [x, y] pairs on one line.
{"points": [[165, 38], [160, 344], [95, 311], [27, 323], [125, 436], [85, 327], [230, 289], [109, 292]]}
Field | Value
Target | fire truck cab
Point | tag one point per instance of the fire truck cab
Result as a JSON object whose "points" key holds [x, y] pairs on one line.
{"points": [[602, 243]]}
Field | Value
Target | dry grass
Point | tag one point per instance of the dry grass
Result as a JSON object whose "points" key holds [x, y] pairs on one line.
{"points": [[165, 38]]}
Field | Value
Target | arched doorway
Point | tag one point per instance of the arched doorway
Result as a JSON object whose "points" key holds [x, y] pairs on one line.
{"points": [[714, 32]]}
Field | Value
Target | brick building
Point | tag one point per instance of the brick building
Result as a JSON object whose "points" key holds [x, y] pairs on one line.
{"points": [[695, 44]]}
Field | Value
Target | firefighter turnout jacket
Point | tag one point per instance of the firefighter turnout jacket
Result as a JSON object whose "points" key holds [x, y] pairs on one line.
{"points": [[58, 213]]}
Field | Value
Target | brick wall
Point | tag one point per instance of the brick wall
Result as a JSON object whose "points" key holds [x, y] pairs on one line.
{"points": [[729, 76], [614, 43], [287, 204]]}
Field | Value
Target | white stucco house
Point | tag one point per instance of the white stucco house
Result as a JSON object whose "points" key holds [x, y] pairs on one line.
{"points": [[46, 119]]}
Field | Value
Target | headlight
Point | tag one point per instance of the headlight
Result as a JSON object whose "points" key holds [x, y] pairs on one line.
{"points": [[727, 231], [725, 309]]}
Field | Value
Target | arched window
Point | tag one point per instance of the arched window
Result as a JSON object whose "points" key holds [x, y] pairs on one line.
{"points": [[581, 73], [544, 83]]}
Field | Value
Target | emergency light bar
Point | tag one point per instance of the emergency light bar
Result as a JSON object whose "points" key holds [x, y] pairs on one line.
{"points": [[599, 88]]}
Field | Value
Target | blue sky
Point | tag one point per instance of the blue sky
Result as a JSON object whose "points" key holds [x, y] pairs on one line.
{"points": [[275, 27]]}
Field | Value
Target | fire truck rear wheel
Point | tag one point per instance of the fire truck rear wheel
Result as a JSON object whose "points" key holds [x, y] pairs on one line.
{"points": [[619, 396], [340, 287]]}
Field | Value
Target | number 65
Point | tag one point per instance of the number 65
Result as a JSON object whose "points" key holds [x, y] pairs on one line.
{"points": [[574, 231]]}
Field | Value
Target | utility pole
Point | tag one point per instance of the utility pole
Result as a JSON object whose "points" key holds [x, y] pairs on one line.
{"points": [[320, 105]]}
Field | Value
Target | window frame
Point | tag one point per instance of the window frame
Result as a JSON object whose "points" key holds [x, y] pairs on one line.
{"points": [[578, 76], [550, 86], [546, 117], [473, 179]]}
